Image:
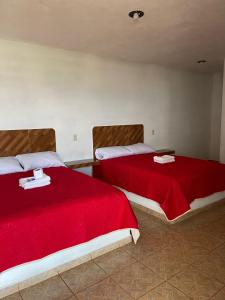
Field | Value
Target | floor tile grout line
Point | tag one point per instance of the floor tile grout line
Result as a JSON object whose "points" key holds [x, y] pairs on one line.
{"points": [[119, 269], [179, 290], [67, 285], [92, 260], [100, 266], [218, 247], [162, 283], [210, 278], [146, 292], [19, 294], [155, 287], [206, 274], [138, 259], [121, 287], [178, 272], [89, 286], [218, 292], [92, 285]]}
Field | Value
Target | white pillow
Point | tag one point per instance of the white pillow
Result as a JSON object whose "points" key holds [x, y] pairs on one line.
{"points": [[111, 152], [46, 159], [140, 148], [9, 165]]}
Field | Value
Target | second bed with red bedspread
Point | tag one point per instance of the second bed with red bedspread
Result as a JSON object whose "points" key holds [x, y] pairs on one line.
{"points": [[174, 185]]}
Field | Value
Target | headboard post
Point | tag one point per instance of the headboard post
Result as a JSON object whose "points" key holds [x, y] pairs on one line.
{"points": [[117, 135], [13, 142]]}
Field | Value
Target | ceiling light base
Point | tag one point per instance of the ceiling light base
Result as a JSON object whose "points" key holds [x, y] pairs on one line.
{"points": [[136, 14]]}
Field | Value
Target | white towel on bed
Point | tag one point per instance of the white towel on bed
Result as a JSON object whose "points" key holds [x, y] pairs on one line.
{"points": [[164, 159], [31, 182]]}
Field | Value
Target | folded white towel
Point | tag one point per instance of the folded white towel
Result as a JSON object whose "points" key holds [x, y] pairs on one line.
{"points": [[164, 162], [164, 159], [168, 157], [28, 187], [31, 182]]}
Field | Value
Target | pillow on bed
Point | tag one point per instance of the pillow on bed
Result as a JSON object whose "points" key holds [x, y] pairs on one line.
{"points": [[46, 159], [140, 148], [111, 152], [9, 165]]}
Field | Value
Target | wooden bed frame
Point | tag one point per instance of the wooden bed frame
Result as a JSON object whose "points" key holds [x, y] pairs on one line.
{"points": [[122, 135], [13, 142]]}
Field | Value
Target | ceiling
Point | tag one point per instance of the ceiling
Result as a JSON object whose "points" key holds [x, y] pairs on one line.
{"points": [[176, 33]]}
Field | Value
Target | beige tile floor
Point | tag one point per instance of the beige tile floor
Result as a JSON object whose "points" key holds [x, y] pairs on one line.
{"points": [[170, 262]]}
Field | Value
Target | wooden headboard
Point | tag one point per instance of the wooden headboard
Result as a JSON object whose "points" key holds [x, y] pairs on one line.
{"points": [[13, 142], [117, 135]]}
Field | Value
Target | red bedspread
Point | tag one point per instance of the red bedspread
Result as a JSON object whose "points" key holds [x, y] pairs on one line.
{"points": [[74, 209], [174, 186]]}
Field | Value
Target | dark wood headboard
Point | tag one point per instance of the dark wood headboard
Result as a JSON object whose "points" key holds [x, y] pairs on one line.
{"points": [[117, 135], [13, 142]]}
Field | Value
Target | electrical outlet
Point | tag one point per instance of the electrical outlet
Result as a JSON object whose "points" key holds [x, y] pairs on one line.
{"points": [[75, 137], [153, 131]]}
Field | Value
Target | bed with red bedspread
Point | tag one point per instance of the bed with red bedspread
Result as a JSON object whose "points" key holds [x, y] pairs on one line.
{"points": [[174, 185], [72, 210]]}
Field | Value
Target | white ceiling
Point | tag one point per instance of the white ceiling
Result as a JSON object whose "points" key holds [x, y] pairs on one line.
{"points": [[173, 32]]}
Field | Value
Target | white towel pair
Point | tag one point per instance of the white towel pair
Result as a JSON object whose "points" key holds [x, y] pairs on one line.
{"points": [[31, 182], [164, 159]]}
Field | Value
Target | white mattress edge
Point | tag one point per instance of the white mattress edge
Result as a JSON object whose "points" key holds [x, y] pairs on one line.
{"points": [[23, 272], [155, 206]]}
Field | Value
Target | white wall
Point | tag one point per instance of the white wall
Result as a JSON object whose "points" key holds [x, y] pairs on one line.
{"points": [[216, 107], [222, 138], [72, 92]]}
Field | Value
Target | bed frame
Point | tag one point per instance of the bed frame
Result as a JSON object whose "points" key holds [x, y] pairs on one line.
{"points": [[122, 135], [13, 142]]}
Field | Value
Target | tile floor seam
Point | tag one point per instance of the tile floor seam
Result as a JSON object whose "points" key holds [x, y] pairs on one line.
{"points": [[137, 259], [91, 285], [98, 283], [188, 296], [100, 266], [148, 290], [217, 292], [188, 265], [20, 294], [151, 288], [119, 269], [204, 276], [122, 288], [155, 287], [207, 275], [179, 290], [218, 248], [67, 286]]}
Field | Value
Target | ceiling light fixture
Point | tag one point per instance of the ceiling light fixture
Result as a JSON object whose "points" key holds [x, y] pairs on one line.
{"points": [[136, 14], [202, 61]]}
